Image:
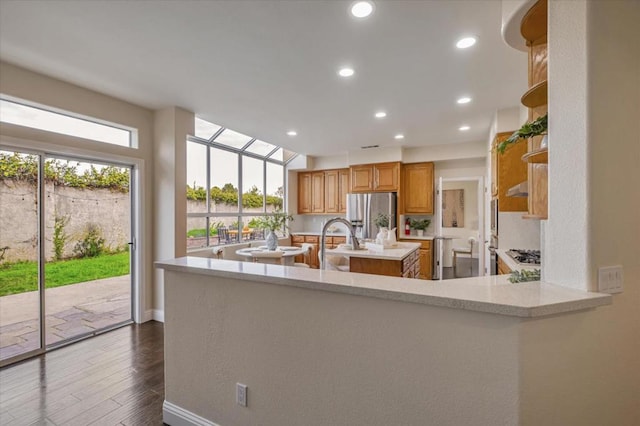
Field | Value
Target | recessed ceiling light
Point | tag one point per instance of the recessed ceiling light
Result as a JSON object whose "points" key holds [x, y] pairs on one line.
{"points": [[464, 100], [399, 136], [292, 133], [381, 114], [463, 128], [346, 72], [463, 43], [362, 9]]}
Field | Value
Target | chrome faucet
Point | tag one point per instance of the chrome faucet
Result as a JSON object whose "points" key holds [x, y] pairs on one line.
{"points": [[350, 227]]}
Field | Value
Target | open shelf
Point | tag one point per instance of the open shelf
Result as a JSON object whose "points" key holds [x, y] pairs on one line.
{"points": [[536, 95], [534, 24], [534, 216], [538, 156]]}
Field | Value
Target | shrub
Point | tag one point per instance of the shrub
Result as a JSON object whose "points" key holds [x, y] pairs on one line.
{"points": [[92, 244], [59, 236]]}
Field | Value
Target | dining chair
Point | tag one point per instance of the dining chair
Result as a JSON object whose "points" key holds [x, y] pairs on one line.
{"points": [[223, 235], [464, 250], [306, 255], [274, 257]]}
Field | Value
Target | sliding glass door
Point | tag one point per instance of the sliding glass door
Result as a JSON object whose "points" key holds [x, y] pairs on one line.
{"points": [[65, 236]]}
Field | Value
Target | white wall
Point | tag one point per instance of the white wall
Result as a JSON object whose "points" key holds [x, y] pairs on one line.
{"points": [[471, 220], [514, 232]]}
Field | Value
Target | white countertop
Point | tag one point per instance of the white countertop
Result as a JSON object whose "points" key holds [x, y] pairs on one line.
{"points": [[399, 252], [512, 264], [491, 294], [329, 234]]}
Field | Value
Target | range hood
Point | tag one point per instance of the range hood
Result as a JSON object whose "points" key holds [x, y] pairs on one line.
{"points": [[520, 190]]}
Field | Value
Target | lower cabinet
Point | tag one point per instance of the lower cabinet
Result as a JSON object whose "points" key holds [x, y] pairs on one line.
{"points": [[426, 257], [503, 269], [409, 267], [330, 242]]}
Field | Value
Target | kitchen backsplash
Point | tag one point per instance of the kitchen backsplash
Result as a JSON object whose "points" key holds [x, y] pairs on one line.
{"points": [[311, 222], [514, 232]]}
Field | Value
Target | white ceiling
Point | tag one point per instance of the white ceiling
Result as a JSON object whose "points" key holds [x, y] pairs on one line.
{"points": [[264, 67]]}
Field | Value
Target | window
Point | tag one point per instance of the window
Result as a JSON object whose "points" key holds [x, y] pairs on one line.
{"points": [[37, 118], [245, 180]]}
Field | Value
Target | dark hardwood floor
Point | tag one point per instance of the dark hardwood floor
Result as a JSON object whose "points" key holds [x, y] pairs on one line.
{"points": [[116, 378], [466, 268]]}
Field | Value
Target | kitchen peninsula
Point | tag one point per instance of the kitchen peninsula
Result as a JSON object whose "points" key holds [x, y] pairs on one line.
{"points": [[351, 343]]}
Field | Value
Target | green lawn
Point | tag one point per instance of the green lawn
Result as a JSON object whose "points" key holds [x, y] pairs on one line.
{"points": [[20, 277]]}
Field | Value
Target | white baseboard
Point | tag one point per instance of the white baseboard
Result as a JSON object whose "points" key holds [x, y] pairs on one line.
{"points": [[178, 416], [158, 315], [148, 315]]}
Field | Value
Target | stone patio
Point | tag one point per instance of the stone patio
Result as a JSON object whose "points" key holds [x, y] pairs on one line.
{"points": [[70, 310]]}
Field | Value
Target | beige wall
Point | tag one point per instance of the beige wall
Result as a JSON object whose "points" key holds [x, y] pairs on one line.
{"points": [[24, 84], [319, 358], [594, 206]]}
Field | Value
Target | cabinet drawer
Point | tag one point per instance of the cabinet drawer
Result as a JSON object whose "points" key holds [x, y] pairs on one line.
{"points": [[339, 240], [311, 239], [297, 238]]}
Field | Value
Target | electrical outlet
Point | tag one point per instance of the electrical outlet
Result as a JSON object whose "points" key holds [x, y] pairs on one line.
{"points": [[610, 279], [241, 394]]}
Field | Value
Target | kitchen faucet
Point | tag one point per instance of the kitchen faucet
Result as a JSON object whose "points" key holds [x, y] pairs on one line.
{"points": [[350, 227]]}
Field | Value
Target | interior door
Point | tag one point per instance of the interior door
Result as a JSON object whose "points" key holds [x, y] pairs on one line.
{"points": [[439, 245]]}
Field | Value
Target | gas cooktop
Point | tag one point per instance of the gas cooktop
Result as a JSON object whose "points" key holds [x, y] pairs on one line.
{"points": [[527, 257]]}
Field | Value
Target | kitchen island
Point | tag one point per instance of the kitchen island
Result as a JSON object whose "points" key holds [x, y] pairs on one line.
{"points": [[357, 348], [399, 260]]}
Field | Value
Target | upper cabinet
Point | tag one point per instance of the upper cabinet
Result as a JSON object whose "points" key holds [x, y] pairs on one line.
{"points": [[323, 191], [417, 188], [507, 171], [336, 188], [380, 177]]}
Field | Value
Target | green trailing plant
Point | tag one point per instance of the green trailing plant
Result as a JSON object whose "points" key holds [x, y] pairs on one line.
{"points": [[421, 224], [59, 236], [275, 221], [524, 276], [534, 128], [92, 244]]}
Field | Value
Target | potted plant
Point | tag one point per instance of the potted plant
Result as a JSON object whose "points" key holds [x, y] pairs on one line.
{"points": [[420, 225], [528, 130], [273, 222], [381, 221]]}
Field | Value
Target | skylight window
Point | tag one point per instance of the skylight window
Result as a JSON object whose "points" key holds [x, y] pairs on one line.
{"points": [[261, 148], [36, 118], [233, 139], [205, 129]]}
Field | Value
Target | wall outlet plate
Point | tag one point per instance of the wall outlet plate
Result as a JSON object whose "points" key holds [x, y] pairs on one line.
{"points": [[610, 279], [241, 394]]}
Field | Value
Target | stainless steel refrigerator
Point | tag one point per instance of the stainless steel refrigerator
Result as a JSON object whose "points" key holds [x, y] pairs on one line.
{"points": [[363, 209]]}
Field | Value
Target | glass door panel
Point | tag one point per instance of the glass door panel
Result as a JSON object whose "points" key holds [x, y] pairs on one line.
{"points": [[87, 252], [19, 254]]}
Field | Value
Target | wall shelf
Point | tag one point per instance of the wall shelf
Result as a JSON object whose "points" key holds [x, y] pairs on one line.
{"points": [[539, 156], [534, 216], [534, 24], [536, 95]]}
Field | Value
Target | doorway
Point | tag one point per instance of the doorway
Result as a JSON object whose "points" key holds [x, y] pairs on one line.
{"points": [[460, 225], [66, 265]]}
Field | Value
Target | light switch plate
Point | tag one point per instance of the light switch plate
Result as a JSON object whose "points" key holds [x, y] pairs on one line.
{"points": [[241, 394], [610, 279]]}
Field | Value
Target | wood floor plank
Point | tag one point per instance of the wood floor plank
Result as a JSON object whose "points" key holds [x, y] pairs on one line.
{"points": [[114, 378]]}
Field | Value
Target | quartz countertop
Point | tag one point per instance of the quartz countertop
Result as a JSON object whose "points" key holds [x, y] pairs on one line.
{"points": [[491, 294], [317, 233], [513, 265], [399, 252]]}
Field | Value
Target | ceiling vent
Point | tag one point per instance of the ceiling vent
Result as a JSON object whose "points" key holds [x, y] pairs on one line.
{"points": [[370, 146]]}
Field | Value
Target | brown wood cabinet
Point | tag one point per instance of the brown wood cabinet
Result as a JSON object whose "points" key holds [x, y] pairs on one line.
{"points": [[379, 177], [417, 188], [323, 191], [503, 269], [426, 256], [314, 262], [336, 188], [409, 267], [510, 171]]}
